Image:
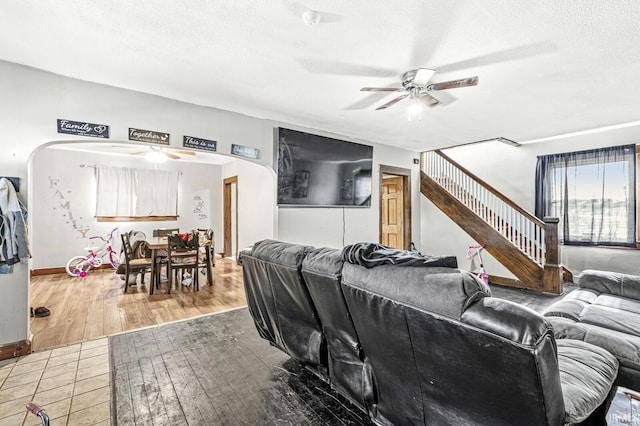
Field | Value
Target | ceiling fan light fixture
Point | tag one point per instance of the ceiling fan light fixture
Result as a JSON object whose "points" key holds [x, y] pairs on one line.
{"points": [[311, 17], [415, 107], [155, 156]]}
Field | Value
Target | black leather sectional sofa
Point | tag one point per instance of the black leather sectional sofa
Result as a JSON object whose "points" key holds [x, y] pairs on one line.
{"points": [[604, 310], [415, 344]]}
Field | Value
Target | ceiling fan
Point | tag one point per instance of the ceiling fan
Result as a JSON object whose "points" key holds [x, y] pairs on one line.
{"points": [[417, 87], [156, 153]]}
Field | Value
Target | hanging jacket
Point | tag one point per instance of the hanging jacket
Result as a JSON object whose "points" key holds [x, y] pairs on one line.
{"points": [[14, 245]]}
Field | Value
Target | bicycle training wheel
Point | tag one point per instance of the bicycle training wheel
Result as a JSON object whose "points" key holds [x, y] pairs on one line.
{"points": [[114, 260], [78, 266]]}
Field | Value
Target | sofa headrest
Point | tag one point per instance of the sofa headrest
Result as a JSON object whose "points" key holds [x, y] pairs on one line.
{"points": [[611, 282], [280, 253], [443, 291], [324, 261]]}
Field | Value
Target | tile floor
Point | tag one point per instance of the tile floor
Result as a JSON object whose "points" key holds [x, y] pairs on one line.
{"points": [[71, 383]]}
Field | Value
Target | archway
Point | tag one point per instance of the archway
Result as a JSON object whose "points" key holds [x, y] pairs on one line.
{"points": [[62, 198]]}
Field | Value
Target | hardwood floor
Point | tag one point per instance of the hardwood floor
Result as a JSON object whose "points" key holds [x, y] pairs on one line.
{"points": [[96, 306]]}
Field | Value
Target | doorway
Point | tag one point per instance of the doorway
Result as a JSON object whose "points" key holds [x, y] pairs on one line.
{"points": [[113, 312], [395, 207], [230, 208]]}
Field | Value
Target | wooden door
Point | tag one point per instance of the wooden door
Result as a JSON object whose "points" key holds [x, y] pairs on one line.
{"points": [[393, 212], [230, 207]]}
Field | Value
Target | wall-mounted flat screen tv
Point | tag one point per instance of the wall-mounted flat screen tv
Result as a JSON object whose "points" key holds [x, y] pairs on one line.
{"points": [[322, 172]]}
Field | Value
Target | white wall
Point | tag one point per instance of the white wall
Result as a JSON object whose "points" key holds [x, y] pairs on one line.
{"points": [[64, 202], [32, 100], [256, 200], [511, 170], [14, 294]]}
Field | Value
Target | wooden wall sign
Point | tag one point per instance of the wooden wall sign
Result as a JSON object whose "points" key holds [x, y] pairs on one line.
{"points": [[148, 136], [197, 143], [83, 128], [245, 151]]}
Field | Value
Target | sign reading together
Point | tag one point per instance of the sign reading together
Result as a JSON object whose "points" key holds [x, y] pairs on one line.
{"points": [[148, 136]]}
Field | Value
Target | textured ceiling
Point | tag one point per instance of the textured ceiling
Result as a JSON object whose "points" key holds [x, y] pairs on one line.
{"points": [[545, 67]]}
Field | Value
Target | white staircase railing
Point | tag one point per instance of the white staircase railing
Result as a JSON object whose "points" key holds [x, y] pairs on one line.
{"points": [[523, 230]]}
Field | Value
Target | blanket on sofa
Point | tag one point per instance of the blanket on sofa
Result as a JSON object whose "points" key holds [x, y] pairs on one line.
{"points": [[370, 255]]}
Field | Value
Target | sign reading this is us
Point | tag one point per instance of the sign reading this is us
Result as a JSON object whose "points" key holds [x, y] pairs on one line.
{"points": [[197, 143]]}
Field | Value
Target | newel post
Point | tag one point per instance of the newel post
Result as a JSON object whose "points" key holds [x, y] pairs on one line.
{"points": [[552, 274]]}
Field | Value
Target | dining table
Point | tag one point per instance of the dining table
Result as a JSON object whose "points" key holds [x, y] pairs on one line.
{"points": [[157, 243]]}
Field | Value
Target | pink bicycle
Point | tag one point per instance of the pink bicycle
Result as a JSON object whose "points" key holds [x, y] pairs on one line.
{"points": [[38, 411], [481, 273], [78, 266]]}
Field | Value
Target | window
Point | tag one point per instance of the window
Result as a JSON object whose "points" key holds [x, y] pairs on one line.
{"points": [[593, 193], [362, 188], [125, 194]]}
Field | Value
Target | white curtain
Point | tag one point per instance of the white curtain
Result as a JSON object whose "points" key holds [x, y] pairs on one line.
{"points": [[136, 192]]}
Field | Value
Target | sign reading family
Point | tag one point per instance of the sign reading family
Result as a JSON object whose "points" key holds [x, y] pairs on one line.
{"points": [[197, 143], [82, 128], [148, 136]]}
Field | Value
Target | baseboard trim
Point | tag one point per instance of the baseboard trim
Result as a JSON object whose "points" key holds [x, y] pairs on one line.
{"points": [[48, 271], [16, 349], [60, 270]]}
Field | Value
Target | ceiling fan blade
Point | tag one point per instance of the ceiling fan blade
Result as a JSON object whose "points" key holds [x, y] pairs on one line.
{"points": [[382, 89], [392, 102], [423, 75], [453, 84], [507, 55], [428, 100], [444, 98], [170, 155], [179, 151], [344, 68], [366, 102]]}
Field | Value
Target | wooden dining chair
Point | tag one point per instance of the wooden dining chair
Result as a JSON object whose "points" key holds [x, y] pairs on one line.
{"points": [[133, 263], [183, 256], [165, 232], [162, 254], [207, 251]]}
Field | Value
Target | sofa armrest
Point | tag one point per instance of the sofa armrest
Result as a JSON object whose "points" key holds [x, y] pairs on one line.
{"points": [[244, 252], [613, 283], [507, 319]]}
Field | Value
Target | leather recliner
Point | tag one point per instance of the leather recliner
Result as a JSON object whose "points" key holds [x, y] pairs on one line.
{"points": [[279, 301], [322, 271], [417, 345]]}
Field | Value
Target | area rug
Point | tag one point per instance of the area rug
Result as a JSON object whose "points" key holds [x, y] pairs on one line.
{"points": [[217, 370]]}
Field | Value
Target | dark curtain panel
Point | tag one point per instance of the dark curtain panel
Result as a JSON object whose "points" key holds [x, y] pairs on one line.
{"points": [[541, 178], [592, 193]]}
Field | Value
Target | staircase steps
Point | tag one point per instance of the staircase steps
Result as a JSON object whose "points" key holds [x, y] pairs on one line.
{"points": [[525, 245]]}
